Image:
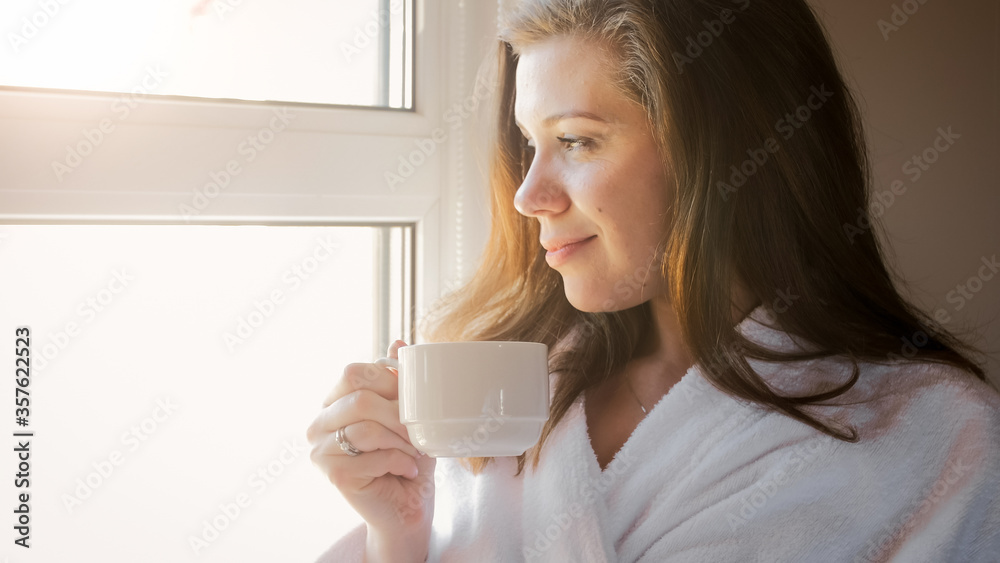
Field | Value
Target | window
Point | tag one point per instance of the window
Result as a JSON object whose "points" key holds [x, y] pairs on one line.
{"points": [[175, 369], [218, 198], [311, 51]]}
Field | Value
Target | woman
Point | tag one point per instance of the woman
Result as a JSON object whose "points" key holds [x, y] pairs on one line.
{"points": [[735, 376]]}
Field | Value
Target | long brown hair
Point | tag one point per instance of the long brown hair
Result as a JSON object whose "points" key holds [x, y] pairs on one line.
{"points": [[762, 193]]}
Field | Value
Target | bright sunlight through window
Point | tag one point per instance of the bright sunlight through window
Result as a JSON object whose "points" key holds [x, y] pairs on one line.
{"points": [[313, 51], [175, 370]]}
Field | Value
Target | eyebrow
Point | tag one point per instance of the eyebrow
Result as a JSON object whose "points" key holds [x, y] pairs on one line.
{"points": [[571, 114]]}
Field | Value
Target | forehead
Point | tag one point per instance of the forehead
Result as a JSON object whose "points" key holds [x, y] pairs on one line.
{"points": [[565, 74]]}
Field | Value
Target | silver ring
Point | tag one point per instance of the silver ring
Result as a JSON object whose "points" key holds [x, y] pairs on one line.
{"points": [[341, 437]]}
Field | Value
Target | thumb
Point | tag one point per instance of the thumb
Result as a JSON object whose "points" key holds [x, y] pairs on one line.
{"points": [[394, 349]]}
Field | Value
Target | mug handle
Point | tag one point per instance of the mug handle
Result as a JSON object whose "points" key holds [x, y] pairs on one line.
{"points": [[388, 362]]}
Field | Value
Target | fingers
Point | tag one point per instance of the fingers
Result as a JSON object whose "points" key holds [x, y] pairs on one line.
{"points": [[363, 403], [380, 379], [356, 473], [367, 436], [393, 351], [360, 405], [364, 376]]}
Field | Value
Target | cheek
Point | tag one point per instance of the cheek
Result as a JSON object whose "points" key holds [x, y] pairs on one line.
{"points": [[639, 227], [649, 205], [637, 222], [603, 199], [591, 186]]}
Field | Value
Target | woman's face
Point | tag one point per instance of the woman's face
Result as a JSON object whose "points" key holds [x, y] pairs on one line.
{"points": [[596, 184]]}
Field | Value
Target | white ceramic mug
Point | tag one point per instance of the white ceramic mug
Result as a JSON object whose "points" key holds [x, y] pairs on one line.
{"points": [[473, 399]]}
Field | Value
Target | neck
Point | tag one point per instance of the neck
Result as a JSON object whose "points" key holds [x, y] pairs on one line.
{"points": [[664, 347]]}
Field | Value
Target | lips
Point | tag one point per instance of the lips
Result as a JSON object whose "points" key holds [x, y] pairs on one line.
{"points": [[555, 245], [559, 250]]}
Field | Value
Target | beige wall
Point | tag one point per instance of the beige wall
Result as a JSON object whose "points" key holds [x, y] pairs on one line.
{"points": [[939, 69]]}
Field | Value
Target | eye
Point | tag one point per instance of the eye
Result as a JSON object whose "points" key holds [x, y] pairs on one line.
{"points": [[574, 143]]}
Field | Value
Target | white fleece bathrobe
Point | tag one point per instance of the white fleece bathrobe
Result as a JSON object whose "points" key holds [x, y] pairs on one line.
{"points": [[709, 478]]}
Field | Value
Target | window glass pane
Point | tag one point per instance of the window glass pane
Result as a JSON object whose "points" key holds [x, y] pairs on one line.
{"points": [[311, 51], [175, 371]]}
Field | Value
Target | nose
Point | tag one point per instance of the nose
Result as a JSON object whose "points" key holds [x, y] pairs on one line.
{"points": [[540, 194]]}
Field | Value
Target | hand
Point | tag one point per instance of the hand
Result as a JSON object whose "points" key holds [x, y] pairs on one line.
{"points": [[390, 484]]}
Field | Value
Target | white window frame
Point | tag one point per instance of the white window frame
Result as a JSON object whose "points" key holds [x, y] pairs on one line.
{"points": [[335, 158]]}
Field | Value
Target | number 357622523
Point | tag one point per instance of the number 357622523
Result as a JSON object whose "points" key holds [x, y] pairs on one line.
{"points": [[22, 375]]}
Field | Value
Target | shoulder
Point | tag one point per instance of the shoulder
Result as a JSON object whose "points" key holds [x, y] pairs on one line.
{"points": [[913, 418], [923, 414], [920, 479], [915, 405], [917, 386], [890, 394], [923, 401], [928, 454]]}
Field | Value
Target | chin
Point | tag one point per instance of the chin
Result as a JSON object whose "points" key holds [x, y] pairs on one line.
{"points": [[588, 307], [593, 298], [589, 300]]}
